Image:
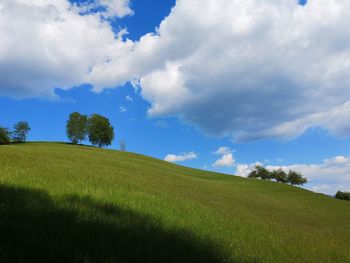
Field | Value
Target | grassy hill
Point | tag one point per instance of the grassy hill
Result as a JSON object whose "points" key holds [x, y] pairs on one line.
{"points": [[64, 203]]}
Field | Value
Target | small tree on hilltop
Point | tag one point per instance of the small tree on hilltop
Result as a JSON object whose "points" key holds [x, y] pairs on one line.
{"points": [[295, 178], [263, 173], [21, 130], [279, 175], [122, 145], [4, 135], [76, 127], [260, 172], [101, 132], [253, 174]]}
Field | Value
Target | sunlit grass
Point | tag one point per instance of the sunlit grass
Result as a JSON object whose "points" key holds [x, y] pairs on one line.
{"points": [[82, 204]]}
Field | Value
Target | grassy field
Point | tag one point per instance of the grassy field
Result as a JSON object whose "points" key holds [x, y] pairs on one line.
{"points": [[64, 203]]}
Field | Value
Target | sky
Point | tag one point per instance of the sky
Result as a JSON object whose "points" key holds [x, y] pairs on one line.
{"points": [[217, 85]]}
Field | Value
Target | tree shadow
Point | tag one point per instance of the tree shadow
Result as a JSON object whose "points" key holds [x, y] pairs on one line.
{"points": [[36, 228]]}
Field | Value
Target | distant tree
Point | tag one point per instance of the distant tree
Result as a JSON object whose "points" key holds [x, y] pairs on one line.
{"points": [[253, 174], [260, 172], [343, 195], [294, 178], [279, 175], [21, 130], [76, 127], [263, 173], [101, 132], [4, 135], [122, 145]]}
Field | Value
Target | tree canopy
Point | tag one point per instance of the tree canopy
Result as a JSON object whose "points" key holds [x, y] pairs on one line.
{"points": [[101, 132], [279, 175], [342, 195], [4, 135], [293, 178], [21, 130], [76, 127]]}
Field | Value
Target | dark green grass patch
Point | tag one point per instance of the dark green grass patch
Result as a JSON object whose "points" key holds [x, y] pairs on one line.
{"points": [[36, 228]]}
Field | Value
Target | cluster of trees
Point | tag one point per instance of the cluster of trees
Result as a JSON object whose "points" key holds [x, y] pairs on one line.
{"points": [[18, 134], [95, 127], [292, 177], [343, 195]]}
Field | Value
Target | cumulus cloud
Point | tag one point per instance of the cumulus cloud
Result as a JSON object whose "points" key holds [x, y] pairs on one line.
{"points": [[106, 8], [180, 158], [245, 169], [259, 69], [223, 150], [226, 160], [327, 177], [48, 44]]}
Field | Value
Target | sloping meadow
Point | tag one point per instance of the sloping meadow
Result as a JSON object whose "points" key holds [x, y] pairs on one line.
{"points": [[64, 203]]}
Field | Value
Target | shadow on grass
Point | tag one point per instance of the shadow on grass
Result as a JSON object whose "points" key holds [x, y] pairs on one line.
{"points": [[36, 228]]}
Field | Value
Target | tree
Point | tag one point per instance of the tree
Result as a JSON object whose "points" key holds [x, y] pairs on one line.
{"points": [[295, 178], [21, 130], [4, 135], [122, 145], [76, 127], [260, 172], [263, 173], [253, 174], [101, 132], [279, 175], [343, 195]]}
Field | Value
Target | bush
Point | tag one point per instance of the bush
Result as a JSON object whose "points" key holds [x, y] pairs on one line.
{"points": [[4, 135], [343, 195]]}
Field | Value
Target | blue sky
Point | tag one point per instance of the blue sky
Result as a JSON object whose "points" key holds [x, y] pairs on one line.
{"points": [[180, 83]]}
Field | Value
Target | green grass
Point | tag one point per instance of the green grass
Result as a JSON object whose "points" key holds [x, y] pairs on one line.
{"points": [[64, 203]]}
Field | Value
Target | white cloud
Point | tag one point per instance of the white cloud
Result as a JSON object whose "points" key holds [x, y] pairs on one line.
{"points": [[223, 150], [47, 44], [119, 8], [260, 69], [244, 169], [128, 98], [110, 8], [180, 158], [122, 109], [226, 160], [327, 177]]}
